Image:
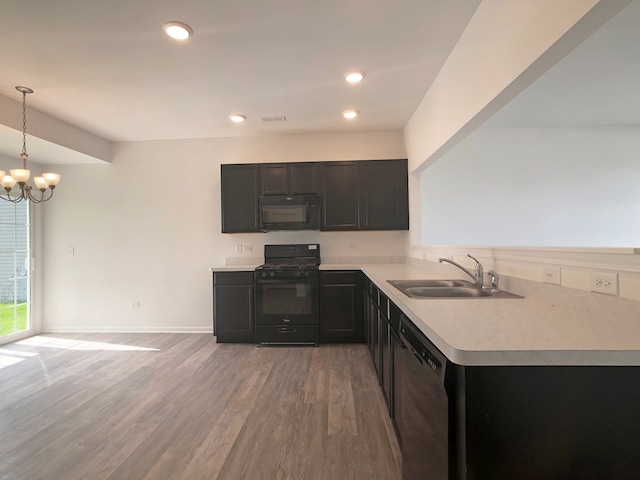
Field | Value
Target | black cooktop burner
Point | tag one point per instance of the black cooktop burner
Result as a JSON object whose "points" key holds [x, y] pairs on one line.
{"points": [[291, 257], [288, 266]]}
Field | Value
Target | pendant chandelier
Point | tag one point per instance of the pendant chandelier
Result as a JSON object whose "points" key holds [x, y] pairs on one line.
{"points": [[47, 181]]}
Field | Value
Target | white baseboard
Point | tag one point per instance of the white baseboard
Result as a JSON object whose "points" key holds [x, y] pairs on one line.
{"points": [[110, 329]]}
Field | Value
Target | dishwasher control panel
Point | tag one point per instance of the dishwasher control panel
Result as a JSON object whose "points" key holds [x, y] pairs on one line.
{"points": [[431, 360]]}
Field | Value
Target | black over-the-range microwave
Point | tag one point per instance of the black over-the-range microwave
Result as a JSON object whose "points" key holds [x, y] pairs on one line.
{"points": [[289, 212]]}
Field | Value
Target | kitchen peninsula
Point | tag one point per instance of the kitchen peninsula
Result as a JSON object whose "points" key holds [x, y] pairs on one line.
{"points": [[539, 387]]}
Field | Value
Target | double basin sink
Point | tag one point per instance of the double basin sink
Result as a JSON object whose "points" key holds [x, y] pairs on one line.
{"points": [[446, 289]]}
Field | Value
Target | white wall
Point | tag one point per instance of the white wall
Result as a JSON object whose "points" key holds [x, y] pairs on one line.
{"points": [[536, 187], [506, 47], [146, 228], [502, 47]]}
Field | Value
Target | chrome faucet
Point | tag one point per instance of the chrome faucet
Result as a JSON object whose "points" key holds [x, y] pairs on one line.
{"points": [[477, 274]]}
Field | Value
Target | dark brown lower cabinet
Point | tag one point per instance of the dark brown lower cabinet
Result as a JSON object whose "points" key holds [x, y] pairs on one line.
{"points": [[341, 310], [548, 422], [233, 307], [374, 330], [386, 359]]}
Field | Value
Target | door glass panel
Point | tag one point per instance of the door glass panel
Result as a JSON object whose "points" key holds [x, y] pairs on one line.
{"points": [[14, 267]]}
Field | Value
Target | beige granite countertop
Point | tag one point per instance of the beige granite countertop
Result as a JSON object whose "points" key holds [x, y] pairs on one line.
{"points": [[549, 326]]}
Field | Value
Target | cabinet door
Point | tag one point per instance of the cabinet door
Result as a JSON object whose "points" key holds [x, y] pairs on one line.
{"points": [[373, 325], [340, 196], [304, 178], [239, 198], [274, 178], [384, 203], [341, 299], [386, 360], [233, 306], [366, 299]]}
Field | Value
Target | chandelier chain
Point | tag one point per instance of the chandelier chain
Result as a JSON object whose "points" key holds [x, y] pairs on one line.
{"points": [[24, 123]]}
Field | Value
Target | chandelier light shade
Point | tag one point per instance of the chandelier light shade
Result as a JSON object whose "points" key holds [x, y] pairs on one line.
{"points": [[45, 184]]}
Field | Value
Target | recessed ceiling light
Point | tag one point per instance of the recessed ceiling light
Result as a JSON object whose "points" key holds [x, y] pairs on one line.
{"points": [[178, 30], [350, 114], [354, 77], [237, 118]]}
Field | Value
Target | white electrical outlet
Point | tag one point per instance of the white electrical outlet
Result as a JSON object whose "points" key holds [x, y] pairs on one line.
{"points": [[604, 283], [135, 304], [248, 248], [551, 275], [238, 248]]}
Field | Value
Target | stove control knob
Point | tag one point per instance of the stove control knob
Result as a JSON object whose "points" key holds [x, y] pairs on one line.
{"points": [[298, 274], [306, 274], [272, 274]]}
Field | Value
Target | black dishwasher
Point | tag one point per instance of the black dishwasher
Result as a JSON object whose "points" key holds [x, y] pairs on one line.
{"points": [[422, 416]]}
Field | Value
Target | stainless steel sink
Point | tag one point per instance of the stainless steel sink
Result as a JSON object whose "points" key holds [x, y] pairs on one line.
{"points": [[403, 284], [446, 289], [439, 292]]}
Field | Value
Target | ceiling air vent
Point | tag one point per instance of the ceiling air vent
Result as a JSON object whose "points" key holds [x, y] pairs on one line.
{"points": [[274, 118]]}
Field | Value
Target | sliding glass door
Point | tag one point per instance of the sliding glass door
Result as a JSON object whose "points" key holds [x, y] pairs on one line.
{"points": [[15, 254]]}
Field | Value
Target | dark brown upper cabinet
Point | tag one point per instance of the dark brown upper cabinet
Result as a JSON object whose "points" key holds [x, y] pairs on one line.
{"points": [[240, 189], [365, 195], [358, 195], [339, 190], [289, 178], [383, 192]]}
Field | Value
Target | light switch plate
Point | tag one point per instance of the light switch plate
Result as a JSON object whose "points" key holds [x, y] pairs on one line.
{"points": [[551, 275]]}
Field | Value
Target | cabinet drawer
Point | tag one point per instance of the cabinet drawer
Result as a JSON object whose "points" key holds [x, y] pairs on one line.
{"points": [[292, 334], [233, 278], [339, 277]]}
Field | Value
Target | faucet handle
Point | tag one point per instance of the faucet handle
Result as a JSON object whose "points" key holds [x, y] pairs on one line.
{"points": [[474, 259], [494, 280]]}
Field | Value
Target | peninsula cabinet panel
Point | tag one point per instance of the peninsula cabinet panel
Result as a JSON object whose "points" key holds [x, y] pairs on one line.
{"points": [[341, 307], [383, 192], [551, 422], [239, 198], [233, 307], [340, 196]]}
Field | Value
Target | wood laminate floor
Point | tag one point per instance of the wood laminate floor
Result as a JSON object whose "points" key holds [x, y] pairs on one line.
{"points": [[180, 406]]}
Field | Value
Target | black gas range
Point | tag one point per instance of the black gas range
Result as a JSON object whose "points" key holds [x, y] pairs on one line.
{"points": [[290, 261], [287, 291]]}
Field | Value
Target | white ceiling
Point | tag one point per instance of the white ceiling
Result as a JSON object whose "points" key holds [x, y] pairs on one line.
{"points": [[596, 84], [108, 68]]}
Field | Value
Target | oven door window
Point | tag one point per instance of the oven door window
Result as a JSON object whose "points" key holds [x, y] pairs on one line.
{"points": [[292, 299], [287, 302]]}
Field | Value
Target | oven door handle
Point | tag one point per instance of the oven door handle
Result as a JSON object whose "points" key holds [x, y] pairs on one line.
{"points": [[286, 330]]}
